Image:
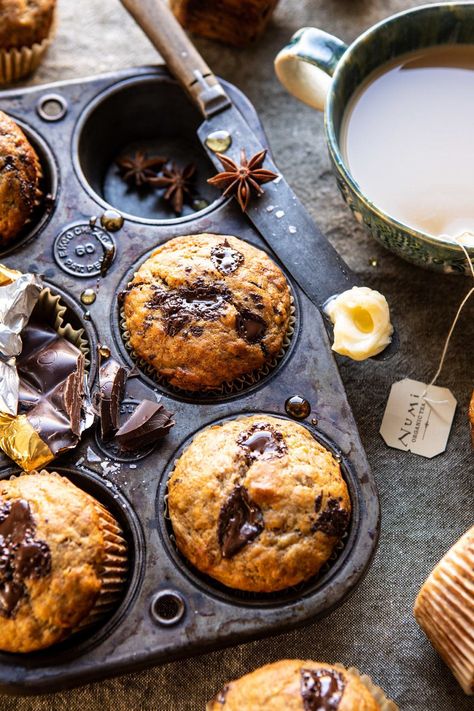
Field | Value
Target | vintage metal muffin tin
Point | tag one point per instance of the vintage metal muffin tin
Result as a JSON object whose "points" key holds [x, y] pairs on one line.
{"points": [[169, 610]]}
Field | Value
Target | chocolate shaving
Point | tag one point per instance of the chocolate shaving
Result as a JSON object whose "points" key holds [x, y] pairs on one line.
{"points": [[112, 379], [22, 556], [180, 307], [149, 423], [321, 689], [225, 259], [262, 441], [250, 326], [51, 394], [333, 521], [240, 522]]}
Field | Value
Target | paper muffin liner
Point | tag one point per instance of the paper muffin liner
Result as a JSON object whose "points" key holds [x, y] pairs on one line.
{"points": [[114, 567], [19, 62], [229, 387], [54, 311], [444, 609], [379, 694]]}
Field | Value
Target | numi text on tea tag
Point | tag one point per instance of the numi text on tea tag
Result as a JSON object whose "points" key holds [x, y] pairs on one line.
{"points": [[418, 418]]}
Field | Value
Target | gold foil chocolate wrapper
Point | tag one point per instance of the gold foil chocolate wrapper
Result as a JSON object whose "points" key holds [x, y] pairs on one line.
{"points": [[20, 441]]}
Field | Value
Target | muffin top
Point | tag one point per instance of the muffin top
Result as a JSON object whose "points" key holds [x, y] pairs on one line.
{"points": [[296, 685], [20, 176], [52, 542], [257, 503], [205, 309], [25, 22]]}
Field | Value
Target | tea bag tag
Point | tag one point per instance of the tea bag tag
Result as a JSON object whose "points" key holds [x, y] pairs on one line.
{"points": [[418, 418]]}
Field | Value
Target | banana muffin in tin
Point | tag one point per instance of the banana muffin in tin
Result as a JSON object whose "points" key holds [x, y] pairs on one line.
{"points": [[63, 561], [20, 179], [206, 309], [302, 685], [257, 503]]}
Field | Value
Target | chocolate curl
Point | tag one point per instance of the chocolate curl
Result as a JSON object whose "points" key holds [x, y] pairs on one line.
{"points": [[149, 423], [18, 296]]}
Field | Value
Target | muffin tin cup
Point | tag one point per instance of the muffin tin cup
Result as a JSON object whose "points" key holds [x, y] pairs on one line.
{"points": [[336, 561], [168, 610]]}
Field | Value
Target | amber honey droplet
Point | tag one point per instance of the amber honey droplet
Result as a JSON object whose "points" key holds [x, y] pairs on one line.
{"points": [[219, 141], [297, 407], [88, 296], [104, 351], [111, 221]]}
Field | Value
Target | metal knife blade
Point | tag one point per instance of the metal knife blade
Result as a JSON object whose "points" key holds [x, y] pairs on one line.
{"points": [[281, 219]]}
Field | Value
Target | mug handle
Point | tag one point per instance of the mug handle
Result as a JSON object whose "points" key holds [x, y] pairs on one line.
{"points": [[306, 65]]}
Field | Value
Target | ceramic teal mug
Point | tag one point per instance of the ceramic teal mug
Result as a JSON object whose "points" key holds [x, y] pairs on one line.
{"points": [[322, 71]]}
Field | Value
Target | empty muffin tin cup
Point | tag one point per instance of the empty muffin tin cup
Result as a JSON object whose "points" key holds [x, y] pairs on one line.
{"points": [[150, 115]]}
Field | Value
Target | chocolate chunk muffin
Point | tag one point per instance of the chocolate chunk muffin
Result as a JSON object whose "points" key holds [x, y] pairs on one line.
{"points": [[20, 178], [257, 503], [206, 309], [63, 560], [25, 30], [297, 685]]}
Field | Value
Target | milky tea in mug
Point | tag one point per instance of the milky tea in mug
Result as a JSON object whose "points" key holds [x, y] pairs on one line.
{"points": [[408, 140]]}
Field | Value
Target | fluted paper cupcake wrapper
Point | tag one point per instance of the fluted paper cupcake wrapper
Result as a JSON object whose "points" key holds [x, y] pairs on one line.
{"points": [[19, 62], [114, 568], [54, 311], [379, 695], [228, 387], [444, 609]]}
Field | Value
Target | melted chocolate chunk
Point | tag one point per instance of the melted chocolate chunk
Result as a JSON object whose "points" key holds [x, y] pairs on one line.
{"points": [[226, 259], [21, 555], [180, 307], [333, 521], [321, 689], [317, 503], [262, 441], [240, 522], [250, 326]]}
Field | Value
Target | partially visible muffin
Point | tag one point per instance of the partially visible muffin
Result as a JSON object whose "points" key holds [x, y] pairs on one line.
{"points": [[25, 22], [297, 685], [25, 30], [257, 503], [20, 179], [63, 560], [205, 309], [444, 609]]}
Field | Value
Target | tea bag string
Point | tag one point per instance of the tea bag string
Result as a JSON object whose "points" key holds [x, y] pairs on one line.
{"points": [[451, 330]]}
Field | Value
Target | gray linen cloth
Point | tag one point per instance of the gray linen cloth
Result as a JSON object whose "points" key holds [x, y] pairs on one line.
{"points": [[426, 504]]}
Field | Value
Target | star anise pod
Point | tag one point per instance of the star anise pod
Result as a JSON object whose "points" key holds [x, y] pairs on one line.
{"points": [[178, 183], [138, 169], [242, 179]]}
